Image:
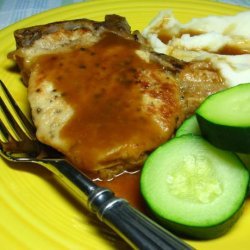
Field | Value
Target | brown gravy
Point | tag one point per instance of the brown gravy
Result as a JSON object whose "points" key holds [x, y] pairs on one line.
{"points": [[233, 50], [127, 186], [165, 37], [102, 85]]}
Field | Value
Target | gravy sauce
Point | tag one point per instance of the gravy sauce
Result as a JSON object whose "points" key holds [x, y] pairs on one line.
{"points": [[102, 85], [228, 49], [127, 186]]}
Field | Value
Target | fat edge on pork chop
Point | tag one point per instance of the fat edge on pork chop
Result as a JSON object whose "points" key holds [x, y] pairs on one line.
{"points": [[101, 96]]}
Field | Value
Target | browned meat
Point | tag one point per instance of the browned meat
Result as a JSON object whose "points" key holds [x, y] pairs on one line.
{"points": [[100, 96]]}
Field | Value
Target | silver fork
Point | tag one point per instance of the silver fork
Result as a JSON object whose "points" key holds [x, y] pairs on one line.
{"points": [[136, 229]]}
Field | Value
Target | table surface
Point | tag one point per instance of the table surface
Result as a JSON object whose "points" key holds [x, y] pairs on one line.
{"points": [[15, 10]]}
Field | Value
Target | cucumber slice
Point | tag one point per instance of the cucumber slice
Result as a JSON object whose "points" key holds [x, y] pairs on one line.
{"points": [[245, 158], [194, 188], [189, 126], [224, 119]]}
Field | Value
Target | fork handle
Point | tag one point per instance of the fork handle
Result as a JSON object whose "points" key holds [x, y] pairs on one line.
{"points": [[135, 228]]}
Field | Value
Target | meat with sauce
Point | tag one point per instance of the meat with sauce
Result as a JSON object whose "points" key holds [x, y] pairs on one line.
{"points": [[101, 96]]}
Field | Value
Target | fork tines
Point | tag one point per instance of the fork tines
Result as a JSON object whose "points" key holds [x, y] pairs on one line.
{"points": [[17, 135], [17, 117]]}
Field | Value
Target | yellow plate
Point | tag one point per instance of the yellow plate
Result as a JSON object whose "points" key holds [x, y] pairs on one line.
{"points": [[35, 211]]}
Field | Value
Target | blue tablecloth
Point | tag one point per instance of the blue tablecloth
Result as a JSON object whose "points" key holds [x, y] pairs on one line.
{"points": [[12, 11]]}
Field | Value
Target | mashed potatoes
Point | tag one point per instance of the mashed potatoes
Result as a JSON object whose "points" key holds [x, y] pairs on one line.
{"points": [[224, 40]]}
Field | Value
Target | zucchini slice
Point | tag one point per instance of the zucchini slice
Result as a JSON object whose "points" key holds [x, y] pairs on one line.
{"points": [[224, 119], [189, 126], [193, 188]]}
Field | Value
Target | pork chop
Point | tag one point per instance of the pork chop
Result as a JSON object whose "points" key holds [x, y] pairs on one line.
{"points": [[101, 96]]}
